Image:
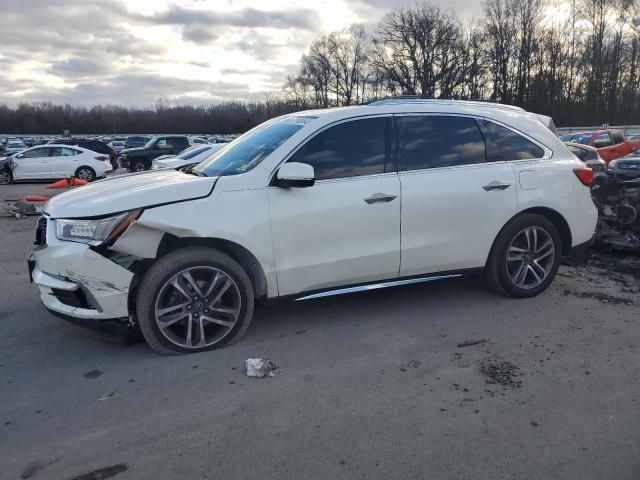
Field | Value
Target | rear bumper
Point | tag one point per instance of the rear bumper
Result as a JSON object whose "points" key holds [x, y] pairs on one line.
{"points": [[582, 247]]}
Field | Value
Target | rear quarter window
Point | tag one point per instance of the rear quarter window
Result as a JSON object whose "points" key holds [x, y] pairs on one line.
{"points": [[506, 145]]}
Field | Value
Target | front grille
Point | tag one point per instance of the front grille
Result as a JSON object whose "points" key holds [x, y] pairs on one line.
{"points": [[76, 298], [41, 232]]}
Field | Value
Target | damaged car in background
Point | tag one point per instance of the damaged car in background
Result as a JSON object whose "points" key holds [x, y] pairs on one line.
{"points": [[313, 204], [617, 196]]}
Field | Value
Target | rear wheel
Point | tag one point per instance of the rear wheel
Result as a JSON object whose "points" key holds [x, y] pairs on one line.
{"points": [[525, 257], [87, 174], [192, 300], [6, 177]]}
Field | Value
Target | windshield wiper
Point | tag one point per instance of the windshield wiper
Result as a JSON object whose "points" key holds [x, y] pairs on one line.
{"points": [[191, 171]]}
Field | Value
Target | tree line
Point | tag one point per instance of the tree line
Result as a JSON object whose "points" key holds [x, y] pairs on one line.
{"points": [[575, 60]]}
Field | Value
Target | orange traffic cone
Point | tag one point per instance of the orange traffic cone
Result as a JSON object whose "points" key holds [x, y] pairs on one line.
{"points": [[67, 182], [34, 198]]}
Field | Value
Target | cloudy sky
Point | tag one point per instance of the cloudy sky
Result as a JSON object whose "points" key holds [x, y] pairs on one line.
{"points": [[132, 52]]}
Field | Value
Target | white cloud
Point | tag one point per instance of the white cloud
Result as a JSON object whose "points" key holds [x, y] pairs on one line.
{"points": [[130, 52]]}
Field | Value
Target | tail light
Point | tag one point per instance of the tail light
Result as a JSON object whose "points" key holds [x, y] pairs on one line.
{"points": [[103, 158], [585, 175]]}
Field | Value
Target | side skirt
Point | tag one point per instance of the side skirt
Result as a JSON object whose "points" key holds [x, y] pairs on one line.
{"points": [[396, 282]]}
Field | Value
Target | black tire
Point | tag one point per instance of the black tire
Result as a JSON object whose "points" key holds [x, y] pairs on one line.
{"points": [[163, 270], [85, 173], [497, 271], [138, 166], [6, 176]]}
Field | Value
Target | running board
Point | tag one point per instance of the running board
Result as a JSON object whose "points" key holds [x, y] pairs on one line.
{"points": [[376, 286]]}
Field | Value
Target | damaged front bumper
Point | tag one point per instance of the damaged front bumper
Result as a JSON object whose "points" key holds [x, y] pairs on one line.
{"points": [[76, 281]]}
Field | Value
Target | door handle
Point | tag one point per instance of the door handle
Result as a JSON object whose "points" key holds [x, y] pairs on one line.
{"points": [[495, 185], [380, 198]]}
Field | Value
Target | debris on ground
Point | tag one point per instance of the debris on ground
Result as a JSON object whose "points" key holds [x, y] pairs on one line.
{"points": [[103, 473], [93, 374], [21, 209], [106, 396], [261, 367], [470, 343], [500, 372]]}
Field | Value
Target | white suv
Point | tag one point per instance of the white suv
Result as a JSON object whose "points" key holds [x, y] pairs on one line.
{"points": [[316, 203]]}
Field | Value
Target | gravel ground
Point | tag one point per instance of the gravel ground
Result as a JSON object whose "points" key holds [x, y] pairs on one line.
{"points": [[373, 385]]}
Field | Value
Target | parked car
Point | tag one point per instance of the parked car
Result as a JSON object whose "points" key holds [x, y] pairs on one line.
{"points": [[139, 159], [312, 204], [14, 146], [625, 168], [117, 145], [54, 162], [589, 155], [134, 141], [611, 144], [198, 140], [192, 155], [97, 146]]}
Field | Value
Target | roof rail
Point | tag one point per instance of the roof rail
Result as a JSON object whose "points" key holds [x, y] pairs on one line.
{"points": [[404, 99]]}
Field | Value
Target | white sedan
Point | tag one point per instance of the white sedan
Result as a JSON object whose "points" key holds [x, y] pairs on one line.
{"points": [[192, 155], [55, 162]]}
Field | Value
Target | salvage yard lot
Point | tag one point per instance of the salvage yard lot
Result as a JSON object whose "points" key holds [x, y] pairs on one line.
{"points": [[374, 385]]}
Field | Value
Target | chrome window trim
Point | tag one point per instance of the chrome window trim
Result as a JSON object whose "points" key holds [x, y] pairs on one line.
{"points": [[548, 153]]}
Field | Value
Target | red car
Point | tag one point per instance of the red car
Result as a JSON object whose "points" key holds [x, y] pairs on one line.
{"points": [[611, 144]]}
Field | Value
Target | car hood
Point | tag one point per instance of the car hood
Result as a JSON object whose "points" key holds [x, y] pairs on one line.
{"points": [[132, 150], [128, 192]]}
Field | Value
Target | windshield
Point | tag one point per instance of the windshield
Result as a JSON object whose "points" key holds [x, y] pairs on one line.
{"points": [[192, 152], [150, 143], [247, 151]]}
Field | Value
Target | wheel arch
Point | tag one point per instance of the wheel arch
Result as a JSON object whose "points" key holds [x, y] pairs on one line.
{"points": [[239, 253], [554, 217]]}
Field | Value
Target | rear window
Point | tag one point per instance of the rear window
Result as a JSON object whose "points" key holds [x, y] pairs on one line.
{"points": [[433, 141], [505, 145]]}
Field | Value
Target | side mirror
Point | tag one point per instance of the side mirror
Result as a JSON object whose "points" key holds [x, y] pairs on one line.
{"points": [[295, 175]]}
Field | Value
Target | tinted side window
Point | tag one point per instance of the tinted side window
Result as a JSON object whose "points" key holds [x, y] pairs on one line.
{"points": [[504, 145], [55, 152], [617, 137], [36, 153], [578, 152], [432, 141], [602, 140], [180, 142], [349, 149]]}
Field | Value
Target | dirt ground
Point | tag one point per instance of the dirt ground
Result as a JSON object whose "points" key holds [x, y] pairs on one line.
{"points": [[438, 381]]}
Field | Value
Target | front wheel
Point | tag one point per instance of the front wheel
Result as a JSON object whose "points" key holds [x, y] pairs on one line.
{"points": [[6, 177], [192, 300], [525, 257], [138, 166]]}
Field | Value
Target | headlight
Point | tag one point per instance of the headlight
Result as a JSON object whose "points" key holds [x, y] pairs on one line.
{"points": [[95, 232]]}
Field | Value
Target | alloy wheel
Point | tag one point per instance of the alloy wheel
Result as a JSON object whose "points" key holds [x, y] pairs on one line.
{"points": [[530, 257], [197, 307], [138, 167], [85, 174], [5, 177]]}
